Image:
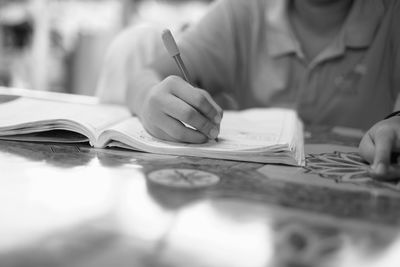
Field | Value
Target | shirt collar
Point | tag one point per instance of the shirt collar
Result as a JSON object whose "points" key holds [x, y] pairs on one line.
{"points": [[362, 23], [358, 31], [281, 39]]}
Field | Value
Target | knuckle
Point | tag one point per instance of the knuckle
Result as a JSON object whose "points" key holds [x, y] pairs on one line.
{"points": [[211, 113], [202, 92], [189, 114], [154, 100], [172, 79], [201, 100], [155, 91], [204, 125], [205, 106]]}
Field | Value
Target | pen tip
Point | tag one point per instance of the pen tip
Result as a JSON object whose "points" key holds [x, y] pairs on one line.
{"points": [[169, 43]]}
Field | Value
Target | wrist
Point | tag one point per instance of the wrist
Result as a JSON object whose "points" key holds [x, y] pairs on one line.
{"points": [[139, 86]]}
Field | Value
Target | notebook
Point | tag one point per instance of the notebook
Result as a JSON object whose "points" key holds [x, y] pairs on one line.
{"points": [[264, 135]]}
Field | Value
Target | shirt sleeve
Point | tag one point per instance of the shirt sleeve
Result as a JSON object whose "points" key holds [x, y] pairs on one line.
{"points": [[395, 45], [210, 48]]}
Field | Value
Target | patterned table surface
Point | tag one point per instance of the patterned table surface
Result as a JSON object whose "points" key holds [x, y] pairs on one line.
{"points": [[69, 205]]}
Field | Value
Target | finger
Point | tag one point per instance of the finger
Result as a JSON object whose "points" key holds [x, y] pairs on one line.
{"points": [[202, 102], [219, 110], [384, 141], [184, 112], [367, 148], [393, 173], [179, 132], [159, 133], [198, 99]]}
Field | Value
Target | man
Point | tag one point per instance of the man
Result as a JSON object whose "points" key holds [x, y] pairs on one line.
{"points": [[334, 61]]}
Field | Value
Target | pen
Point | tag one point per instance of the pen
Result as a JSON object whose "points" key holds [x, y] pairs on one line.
{"points": [[173, 50]]}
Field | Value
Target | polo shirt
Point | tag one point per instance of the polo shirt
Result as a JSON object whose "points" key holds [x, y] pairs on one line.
{"points": [[247, 50]]}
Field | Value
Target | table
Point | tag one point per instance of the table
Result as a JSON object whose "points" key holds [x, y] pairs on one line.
{"points": [[72, 205]]}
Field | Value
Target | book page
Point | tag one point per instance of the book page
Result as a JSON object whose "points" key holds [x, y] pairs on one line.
{"points": [[259, 127], [247, 130], [255, 132], [47, 95], [28, 115]]}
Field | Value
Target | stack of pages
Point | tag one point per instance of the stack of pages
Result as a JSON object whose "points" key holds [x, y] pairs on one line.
{"points": [[255, 135]]}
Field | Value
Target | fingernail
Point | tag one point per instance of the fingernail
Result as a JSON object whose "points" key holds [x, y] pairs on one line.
{"points": [[214, 133], [217, 119], [380, 169]]}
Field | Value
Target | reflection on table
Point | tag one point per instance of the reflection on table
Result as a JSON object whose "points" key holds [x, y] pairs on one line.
{"points": [[69, 205]]}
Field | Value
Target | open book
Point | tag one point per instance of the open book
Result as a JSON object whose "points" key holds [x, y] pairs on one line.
{"points": [[256, 135]]}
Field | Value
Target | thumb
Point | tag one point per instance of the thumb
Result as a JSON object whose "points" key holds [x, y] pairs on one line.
{"points": [[384, 142]]}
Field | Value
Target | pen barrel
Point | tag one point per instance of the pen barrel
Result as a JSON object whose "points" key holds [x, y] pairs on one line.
{"points": [[182, 68]]}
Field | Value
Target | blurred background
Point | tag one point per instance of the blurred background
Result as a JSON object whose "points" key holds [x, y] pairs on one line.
{"points": [[59, 45]]}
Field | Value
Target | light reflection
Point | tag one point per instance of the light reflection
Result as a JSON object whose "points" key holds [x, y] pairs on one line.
{"points": [[140, 216], [79, 191], [359, 255], [205, 236], [55, 198]]}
